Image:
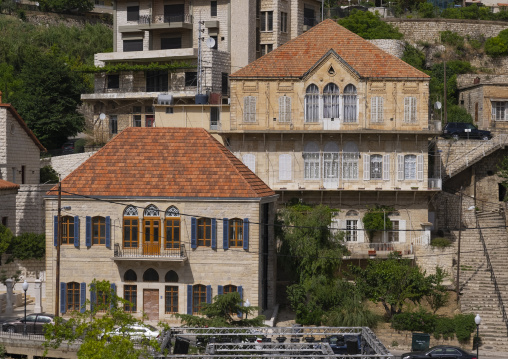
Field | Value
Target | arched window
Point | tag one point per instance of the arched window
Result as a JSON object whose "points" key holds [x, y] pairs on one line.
{"points": [[350, 158], [172, 223], [72, 296], [130, 276], [98, 230], [204, 232], [236, 232], [352, 213], [230, 289], [331, 162], [331, 101], [171, 277], [312, 104], [67, 230], [198, 297], [350, 103], [311, 161], [151, 231], [376, 167], [130, 227], [150, 275]]}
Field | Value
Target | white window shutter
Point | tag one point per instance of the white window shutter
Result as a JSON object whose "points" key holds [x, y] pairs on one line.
{"points": [[419, 165], [373, 109], [380, 108], [366, 167], [281, 109], [253, 109], [493, 104], [386, 167], [285, 167], [406, 109], [250, 161], [402, 231], [361, 233], [321, 106], [358, 109], [400, 167]]}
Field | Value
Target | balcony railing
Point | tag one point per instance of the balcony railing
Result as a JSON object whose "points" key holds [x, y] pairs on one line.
{"points": [[168, 19], [150, 251], [378, 249]]}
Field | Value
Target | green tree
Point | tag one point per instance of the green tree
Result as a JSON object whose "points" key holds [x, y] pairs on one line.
{"points": [[369, 26], [6, 238], [376, 219], [427, 10], [27, 246], [438, 297], [458, 113], [391, 282], [92, 327], [66, 5], [226, 310], [48, 175], [496, 46], [414, 57]]}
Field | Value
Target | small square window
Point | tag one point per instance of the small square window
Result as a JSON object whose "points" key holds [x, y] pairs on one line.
{"points": [[113, 81], [137, 120], [169, 109], [133, 13], [191, 79]]}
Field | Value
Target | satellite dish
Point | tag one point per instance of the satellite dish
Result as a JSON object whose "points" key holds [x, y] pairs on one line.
{"points": [[437, 105], [102, 116], [210, 42]]}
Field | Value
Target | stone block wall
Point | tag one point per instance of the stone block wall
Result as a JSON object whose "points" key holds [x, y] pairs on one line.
{"points": [[30, 208], [8, 208], [64, 165], [428, 258], [31, 270], [393, 47]]}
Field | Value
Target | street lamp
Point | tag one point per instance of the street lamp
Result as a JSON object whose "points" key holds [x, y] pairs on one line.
{"points": [[246, 305], [477, 320], [25, 288]]}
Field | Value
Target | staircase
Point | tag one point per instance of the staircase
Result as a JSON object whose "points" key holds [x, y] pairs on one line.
{"points": [[478, 285], [456, 156]]}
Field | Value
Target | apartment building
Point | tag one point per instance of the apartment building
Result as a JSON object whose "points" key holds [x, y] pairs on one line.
{"points": [[170, 51]]}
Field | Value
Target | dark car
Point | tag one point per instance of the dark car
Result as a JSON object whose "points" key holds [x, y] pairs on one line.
{"points": [[68, 147], [34, 323], [440, 352], [458, 130]]}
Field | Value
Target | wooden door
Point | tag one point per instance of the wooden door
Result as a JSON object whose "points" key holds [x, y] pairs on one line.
{"points": [[151, 245], [151, 303]]}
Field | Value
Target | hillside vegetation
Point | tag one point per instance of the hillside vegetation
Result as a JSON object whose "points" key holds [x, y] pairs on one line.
{"points": [[38, 73]]}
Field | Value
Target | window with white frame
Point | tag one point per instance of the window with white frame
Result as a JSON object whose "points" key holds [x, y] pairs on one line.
{"points": [[312, 104], [376, 109], [311, 161], [410, 167], [285, 167], [351, 230], [350, 158], [393, 235], [350, 104], [331, 162], [249, 109], [410, 109], [376, 167], [331, 102], [499, 110], [284, 109], [250, 161]]}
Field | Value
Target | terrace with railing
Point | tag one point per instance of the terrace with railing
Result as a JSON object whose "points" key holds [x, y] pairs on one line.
{"points": [[149, 251]]}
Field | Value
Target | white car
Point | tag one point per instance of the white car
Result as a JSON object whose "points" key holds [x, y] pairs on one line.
{"points": [[137, 333]]}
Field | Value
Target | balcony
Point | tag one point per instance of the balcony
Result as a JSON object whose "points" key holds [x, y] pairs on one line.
{"points": [[146, 56], [379, 250], [159, 22], [149, 252]]}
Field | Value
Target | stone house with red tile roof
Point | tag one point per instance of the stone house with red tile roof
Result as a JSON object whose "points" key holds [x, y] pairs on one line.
{"points": [[330, 118], [170, 217]]}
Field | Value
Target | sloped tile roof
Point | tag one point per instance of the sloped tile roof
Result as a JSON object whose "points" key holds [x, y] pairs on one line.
{"points": [[22, 123], [164, 162], [8, 185], [296, 57]]}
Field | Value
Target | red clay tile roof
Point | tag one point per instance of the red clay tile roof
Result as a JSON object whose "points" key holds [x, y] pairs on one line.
{"points": [[296, 57], [23, 125], [8, 185], [164, 162]]}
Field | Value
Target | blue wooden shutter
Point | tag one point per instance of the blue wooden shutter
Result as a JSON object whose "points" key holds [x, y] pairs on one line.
{"points": [[225, 233], [194, 229], [108, 232], [63, 297], [189, 299], [93, 297], [208, 294], [76, 231], [82, 297], [88, 231], [246, 233], [214, 233], [240, 291], [113, 292], [220, 290], [55, 230]]}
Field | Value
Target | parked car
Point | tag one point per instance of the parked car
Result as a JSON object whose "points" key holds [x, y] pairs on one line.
{"points": [[34, 323], [440, 352], [458, 130], [68, 147], [137, 333]]}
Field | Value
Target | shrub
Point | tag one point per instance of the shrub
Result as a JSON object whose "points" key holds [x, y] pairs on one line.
{"points": [[440, 242], [48, 175], [414, 57], [496, 46], [464, 326], [369, 26], [27, 246], [452, 38], [79, 145], [419, 321], [445, 328], [426, 10]]}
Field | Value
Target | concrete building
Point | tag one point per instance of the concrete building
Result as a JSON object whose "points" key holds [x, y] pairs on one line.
{"points": [[170, 217], [160, 48], [330, 118], [19, 167]]}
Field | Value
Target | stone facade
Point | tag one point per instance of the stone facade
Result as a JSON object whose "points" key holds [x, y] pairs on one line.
{"points": [[393, 47], [203, 265], [30, 208], [64, 165], [8, 208]]}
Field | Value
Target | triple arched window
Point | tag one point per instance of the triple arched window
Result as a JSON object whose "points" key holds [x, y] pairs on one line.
{"points": [[331, 104]]}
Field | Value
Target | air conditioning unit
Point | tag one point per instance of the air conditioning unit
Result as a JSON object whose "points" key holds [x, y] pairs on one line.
{"points": [[165, 99]]}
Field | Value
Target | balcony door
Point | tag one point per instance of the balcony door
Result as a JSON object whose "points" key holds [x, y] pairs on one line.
{"points": [[152, 234], [174, 13]]}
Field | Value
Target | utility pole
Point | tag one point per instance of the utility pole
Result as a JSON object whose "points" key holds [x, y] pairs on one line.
{"points": [[444, 102], [458, 247], [58, 242]]}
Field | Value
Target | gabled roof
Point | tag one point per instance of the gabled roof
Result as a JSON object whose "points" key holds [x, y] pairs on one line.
{"points": [[8, 185], [23, 125], [164, 162], [296, 57]]}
